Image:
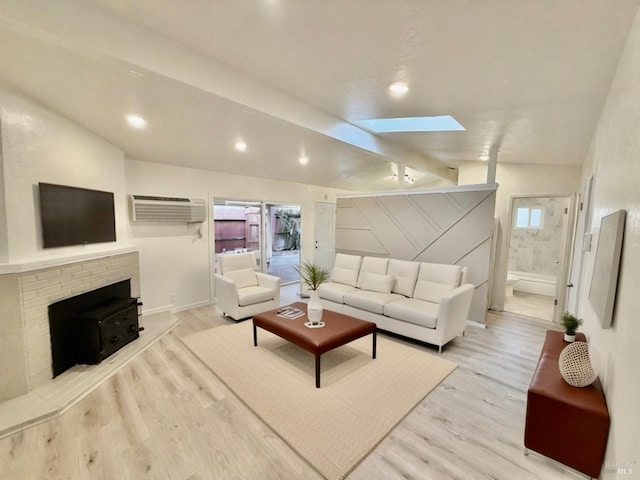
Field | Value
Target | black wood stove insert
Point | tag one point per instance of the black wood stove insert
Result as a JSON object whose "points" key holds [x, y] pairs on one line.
{"points": [[89, 327]]}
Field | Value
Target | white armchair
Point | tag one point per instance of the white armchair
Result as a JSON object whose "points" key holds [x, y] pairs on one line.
{"points": [[241, 291]]}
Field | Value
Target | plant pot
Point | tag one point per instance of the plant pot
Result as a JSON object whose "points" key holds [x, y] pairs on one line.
{"points": [[569, 338], [314, 308]]}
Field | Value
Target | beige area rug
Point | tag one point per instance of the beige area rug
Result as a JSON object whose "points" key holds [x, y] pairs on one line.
{"points": [[333, 427]]}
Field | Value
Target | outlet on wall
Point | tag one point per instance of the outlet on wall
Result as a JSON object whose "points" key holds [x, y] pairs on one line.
{"points": [[172, 298]]}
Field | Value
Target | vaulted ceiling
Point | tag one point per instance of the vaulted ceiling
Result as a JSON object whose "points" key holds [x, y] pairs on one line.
{"points": [[291, 77]]}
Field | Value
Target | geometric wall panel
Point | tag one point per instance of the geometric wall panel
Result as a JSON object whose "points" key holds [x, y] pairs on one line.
{"points": [[453, 225]]}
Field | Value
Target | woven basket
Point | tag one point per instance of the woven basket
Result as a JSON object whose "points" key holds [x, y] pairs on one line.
{"points": [[578, 364]]}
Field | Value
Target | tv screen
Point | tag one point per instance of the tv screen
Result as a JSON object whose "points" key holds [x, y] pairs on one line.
{"points": [[75, 216]]}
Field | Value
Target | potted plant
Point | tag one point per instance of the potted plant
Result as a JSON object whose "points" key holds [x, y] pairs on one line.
{"points": [[570, 323], [313, 276]]}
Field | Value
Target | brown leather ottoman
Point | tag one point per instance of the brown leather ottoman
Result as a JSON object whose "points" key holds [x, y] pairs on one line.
{"points": [[339, 330], [568, 424]]}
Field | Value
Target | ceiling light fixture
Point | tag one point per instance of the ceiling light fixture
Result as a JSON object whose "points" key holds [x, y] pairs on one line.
{"points": [[398, 88], [240, 146], [136, 121]]}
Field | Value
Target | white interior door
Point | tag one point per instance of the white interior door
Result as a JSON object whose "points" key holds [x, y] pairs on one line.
{"points": [[325, 234], [564, 261]]}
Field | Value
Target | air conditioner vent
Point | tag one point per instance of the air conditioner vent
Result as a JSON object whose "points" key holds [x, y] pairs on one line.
{"points": [[145, 208]]}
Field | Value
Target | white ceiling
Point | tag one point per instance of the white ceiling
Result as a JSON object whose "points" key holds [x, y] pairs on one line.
{"points": [[290, 76]]}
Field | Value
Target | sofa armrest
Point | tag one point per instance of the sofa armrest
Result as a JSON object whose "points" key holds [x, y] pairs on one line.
{"points": [[454, 309]]}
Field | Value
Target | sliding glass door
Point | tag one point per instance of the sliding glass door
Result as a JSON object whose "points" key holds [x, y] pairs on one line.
{"points": [[283, 241], [272, 231]]}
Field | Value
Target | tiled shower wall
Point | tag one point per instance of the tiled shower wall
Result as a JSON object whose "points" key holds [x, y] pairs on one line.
{"points": [[538, 250], [24, 324]]}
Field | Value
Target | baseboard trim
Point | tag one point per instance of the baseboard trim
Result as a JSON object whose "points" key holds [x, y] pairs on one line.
{"points": [[476, 324]]}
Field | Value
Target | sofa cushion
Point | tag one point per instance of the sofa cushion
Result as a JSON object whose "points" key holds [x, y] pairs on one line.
{"points": [[377, 282], [370, 301], [253, 295], [434, 280], [346, 269], [430, 291], [334, 291], [405, 273], [440, 273], [344, 276], [245, 277], [413, 311], [372, 265]]}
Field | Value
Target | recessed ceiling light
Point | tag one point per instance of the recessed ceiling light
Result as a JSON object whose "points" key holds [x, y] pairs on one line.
{"points": [[303, 160], [136, 121], [398, 88], [441, 123], [240, 146]]}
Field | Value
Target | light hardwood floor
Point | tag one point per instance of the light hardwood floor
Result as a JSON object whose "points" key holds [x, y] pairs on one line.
{"points": [[166, 416]]}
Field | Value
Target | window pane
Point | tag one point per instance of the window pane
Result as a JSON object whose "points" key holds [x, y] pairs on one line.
{"points": [[522, 219], [536, 217]]}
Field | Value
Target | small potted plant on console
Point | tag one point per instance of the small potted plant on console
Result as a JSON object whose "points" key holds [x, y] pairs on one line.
{"points": [[570, 323]]}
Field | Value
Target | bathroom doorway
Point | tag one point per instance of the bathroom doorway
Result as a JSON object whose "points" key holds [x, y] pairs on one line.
{"points": [[538, 251]]}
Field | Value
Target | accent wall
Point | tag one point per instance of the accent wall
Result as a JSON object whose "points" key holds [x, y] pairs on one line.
{"points": [[451, 225]]}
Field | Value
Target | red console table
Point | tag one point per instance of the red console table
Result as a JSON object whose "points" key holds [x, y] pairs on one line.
{"points": [[565, 423]]}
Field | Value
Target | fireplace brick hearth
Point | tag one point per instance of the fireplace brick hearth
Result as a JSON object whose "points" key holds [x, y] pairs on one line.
{"points": [[25, 363]]}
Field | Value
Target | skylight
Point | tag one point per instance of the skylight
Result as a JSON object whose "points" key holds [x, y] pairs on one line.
{"points": [[440, 123]]}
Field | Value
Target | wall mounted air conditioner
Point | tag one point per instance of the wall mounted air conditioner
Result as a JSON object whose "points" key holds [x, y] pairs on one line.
{"points": [[145, 208]]}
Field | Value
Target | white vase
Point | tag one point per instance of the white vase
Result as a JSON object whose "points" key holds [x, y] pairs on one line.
{"points": [[569, 338], [314, 307]]}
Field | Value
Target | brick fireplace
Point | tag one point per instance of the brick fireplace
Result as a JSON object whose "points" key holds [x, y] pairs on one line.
{"points": [[25, 295]]}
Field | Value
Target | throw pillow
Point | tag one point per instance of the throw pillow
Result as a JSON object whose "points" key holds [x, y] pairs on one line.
{"points": [[345, 276], [377, 282]]}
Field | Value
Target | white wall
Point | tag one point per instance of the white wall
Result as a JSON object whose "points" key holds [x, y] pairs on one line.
{"points": [[516, 179], [40, 146], [173, 260], [614, 158], [4, 237]]}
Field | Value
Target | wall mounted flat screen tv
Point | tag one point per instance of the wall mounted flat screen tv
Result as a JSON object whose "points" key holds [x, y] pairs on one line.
{"points": [[75, 216]]}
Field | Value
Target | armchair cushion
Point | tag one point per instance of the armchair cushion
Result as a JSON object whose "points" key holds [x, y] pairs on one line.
{"points": [[254, 294], [244, 277]]}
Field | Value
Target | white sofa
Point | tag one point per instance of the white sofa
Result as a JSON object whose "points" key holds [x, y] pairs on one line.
{"points": [[241, 291], [425, 301]]}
